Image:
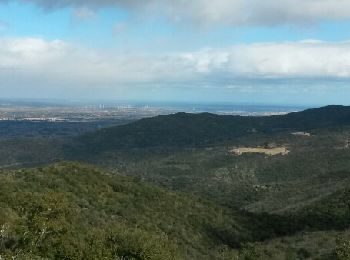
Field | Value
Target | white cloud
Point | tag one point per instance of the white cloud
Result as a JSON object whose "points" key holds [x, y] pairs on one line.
{"points": [[28, 53], [229, 12], [34, 61]]}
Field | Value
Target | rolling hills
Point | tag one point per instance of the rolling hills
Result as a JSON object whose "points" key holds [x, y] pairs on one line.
{"points": [[168, 188], [190, 153], [75, 211], [185, 130]]}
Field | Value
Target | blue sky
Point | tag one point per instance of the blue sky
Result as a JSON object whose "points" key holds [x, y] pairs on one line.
{"points": [[291, 52]]}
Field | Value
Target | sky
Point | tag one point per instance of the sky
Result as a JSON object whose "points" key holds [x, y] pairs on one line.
{"points": [[201, 51]]}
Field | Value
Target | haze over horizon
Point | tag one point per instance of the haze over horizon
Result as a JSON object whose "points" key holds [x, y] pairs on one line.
{"points": [[227, 51]]}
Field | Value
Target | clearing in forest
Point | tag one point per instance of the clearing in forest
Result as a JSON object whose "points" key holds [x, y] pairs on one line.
{"points": [[267, 151]]}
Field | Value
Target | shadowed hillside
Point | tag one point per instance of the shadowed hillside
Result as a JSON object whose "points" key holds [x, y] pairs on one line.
{"points": [[184, 130]]}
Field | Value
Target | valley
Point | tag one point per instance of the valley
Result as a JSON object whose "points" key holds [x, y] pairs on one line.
{"points": [[174, 130], [175, 178]]}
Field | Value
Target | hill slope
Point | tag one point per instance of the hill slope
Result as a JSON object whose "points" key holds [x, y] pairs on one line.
{"points": [[70, 211], [183, 130], [73, 211]]}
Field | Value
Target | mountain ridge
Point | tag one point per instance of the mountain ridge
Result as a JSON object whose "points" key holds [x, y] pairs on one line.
{"points": [[186, 129]]}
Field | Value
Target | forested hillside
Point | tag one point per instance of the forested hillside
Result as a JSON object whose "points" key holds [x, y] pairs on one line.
{"points": [[185, 130], [72, 211], [170, 187]]}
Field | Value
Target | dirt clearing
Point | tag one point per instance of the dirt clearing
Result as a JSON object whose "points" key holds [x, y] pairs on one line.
{"points": [[266, 151]]}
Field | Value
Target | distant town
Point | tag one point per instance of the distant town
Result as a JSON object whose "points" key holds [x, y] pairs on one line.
{"points": [[99, 112], [76, 113]]}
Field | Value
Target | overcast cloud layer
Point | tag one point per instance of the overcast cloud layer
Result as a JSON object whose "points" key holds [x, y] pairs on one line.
{"points": [[34, 61], [229, 12]]}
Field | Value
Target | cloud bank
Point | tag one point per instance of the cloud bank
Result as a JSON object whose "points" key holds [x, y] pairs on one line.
{"points": [[41, 63], [228, 12]]}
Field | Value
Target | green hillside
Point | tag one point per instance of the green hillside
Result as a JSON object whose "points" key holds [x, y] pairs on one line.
{"points": [[330, 212], [70, 211], [169, 188], [184, 130], [74, 211]]}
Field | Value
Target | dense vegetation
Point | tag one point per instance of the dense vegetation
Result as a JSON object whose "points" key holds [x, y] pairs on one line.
{"points": [[186, 130], [187, 196], [11, 129], [70, 211], [74, 211]]}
